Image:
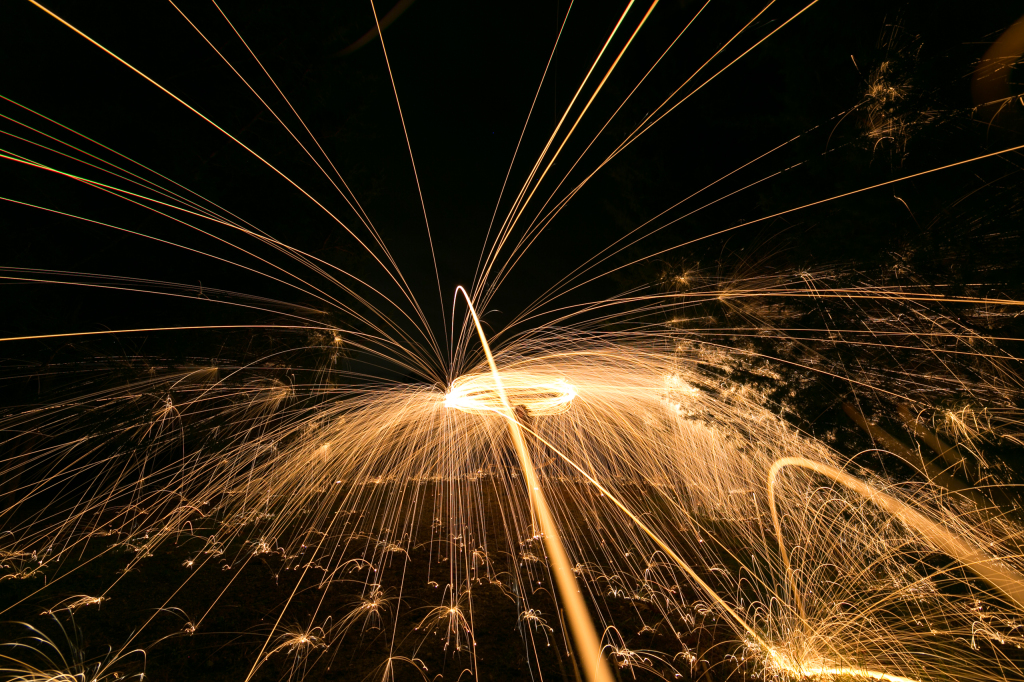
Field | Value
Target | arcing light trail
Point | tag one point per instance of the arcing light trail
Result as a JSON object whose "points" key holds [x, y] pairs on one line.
{"points": [[588, 644], [625, 468], [544, 397], [621, 417]]}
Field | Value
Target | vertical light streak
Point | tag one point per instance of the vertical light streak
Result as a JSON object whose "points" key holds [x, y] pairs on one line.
{"points": [[777, 658], [593, 96], [506, 228], [412, 160], [588, 644]]}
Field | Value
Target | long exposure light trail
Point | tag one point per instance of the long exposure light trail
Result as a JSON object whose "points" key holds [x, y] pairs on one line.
{"points": [[1011, 582], [588, 644], [648, 466]]}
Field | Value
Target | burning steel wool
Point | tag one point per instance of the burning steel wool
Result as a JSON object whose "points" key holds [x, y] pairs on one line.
{"points": [[644, 473], [614, 485]]}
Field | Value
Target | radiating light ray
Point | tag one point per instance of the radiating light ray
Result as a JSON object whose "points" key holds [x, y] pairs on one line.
{"points": [[505, 232], [116, 153], [479, 281], [316, 293], [424, 328], [352, 201], [412, 160], [158, 329], [597, 90], [625, 468], [641, 128], [588, 645]]}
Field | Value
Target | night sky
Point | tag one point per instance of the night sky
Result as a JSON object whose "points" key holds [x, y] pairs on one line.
{"points": [[466, 75]]}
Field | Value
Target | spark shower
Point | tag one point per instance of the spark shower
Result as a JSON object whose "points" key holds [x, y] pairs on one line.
{"points": [[391, 478]]}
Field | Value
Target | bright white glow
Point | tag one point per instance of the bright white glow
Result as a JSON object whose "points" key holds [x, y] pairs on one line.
{"points": [[542, 395]]}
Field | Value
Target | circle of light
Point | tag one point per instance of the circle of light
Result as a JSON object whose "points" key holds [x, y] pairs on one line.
{"points": [[542, 395]]}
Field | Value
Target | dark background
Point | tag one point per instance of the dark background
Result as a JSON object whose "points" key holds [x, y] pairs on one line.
{"points": [[466, 75]]}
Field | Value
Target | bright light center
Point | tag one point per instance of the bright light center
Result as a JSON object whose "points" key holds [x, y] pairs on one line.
{"points": [[541, 395]]}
